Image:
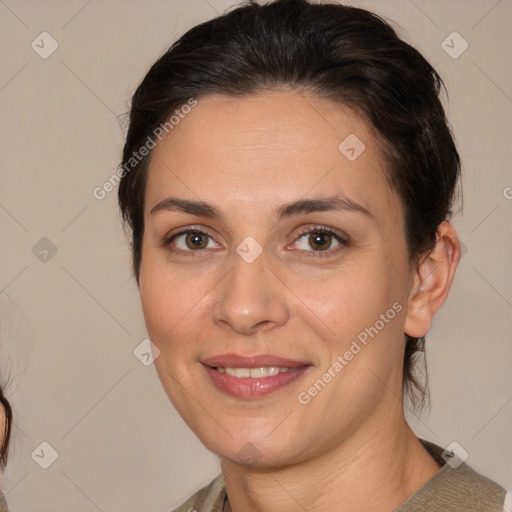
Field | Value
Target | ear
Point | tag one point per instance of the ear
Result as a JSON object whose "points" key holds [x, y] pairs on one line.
{"points": [[431, 281]]}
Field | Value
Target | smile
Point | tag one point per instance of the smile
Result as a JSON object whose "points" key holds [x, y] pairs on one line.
{"points": [[252, 377], [253, 373]]}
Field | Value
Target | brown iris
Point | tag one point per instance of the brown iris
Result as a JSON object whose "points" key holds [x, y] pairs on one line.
{"points": [[320, 241], [196, 240]]}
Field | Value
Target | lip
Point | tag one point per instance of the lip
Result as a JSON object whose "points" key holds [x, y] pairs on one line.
{"points": [[251, 388]]}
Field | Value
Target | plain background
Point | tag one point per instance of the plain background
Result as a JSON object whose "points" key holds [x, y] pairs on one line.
{"points": [[69, 325]]}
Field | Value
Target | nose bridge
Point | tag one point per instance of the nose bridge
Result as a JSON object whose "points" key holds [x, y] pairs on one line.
{"points": [[250, 297]]}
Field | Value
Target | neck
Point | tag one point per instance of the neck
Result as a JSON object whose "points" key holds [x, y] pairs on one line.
{"points": [[378, 468]]}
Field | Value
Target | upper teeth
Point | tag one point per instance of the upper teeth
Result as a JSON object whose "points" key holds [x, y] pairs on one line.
{"points": [[252, 372]]}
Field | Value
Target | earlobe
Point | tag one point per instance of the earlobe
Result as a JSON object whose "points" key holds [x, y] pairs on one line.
{"points": [[431, 281]]}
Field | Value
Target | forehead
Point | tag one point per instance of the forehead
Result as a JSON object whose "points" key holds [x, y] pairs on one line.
{"points": [[269, 148]]}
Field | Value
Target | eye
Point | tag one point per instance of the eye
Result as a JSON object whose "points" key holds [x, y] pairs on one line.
{"points": [[191, 240], [320, 240]]}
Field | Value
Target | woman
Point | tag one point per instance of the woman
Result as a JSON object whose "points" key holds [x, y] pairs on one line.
{"points": [[287, 178]]}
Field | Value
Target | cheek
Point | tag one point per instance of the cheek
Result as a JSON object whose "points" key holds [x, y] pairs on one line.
{"points": [[172, 309], [173, 301], [162, 300], [349, 298], [362, 312], [156, 302]]}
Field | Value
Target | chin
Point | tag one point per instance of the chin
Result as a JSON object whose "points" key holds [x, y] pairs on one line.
{"points": [[247, 448]]}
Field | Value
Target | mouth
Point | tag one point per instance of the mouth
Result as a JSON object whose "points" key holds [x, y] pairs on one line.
{"points": [[252, 377], [252, 373]]}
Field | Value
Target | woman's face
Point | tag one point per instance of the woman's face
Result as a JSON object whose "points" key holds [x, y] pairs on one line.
{"points": [[272, 240]]}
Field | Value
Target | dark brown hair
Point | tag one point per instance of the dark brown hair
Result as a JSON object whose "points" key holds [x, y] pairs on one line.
{"points": [[6, 434], [342, 53]]}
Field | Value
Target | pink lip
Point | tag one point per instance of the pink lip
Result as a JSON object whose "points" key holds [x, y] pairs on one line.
{"points": [[251, 388]]}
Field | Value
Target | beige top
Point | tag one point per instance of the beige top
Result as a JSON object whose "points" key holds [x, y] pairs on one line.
{"points": [[451, 489]]}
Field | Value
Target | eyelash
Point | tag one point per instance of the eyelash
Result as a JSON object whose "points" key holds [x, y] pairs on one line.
{"points": [[343, 240]]}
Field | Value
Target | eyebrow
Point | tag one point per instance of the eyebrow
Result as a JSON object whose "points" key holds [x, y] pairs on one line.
{"points": [[336, 202]]}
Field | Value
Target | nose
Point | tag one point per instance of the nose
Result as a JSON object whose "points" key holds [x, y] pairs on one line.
{"points": [[250, 298]]}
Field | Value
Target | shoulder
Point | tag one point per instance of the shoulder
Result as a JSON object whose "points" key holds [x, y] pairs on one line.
{"points": [[3, 503], [455, 487], [208, 499]]}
